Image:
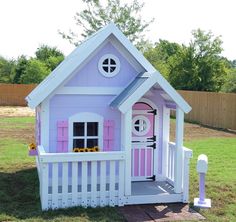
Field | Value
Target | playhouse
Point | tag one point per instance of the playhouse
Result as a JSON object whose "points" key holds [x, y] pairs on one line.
{"points": [[102, 129]]}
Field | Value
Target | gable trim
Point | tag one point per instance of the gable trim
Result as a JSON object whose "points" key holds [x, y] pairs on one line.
{"points": [[77, 57], [154, 78], [89, 90]]}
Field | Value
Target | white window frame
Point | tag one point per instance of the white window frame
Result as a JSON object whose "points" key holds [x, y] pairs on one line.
{"points": [[101, 65], [144, 118], [86, 117]]}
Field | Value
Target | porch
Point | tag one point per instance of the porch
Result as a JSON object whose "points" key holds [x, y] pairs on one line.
{"points": [[100, 178]]}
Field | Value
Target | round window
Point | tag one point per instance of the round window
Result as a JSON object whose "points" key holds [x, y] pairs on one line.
{"points": [[109, 65], [141, 125]]}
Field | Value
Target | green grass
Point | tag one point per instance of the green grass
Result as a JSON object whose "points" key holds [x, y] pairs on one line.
{"points": [[19, 191], [16, 122], [220, 179]]}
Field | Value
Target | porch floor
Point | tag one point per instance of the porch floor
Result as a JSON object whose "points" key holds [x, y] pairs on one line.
{"points": [[151, 188]]}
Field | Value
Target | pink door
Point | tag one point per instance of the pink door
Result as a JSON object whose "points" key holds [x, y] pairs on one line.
{"points": [[143, 142]]}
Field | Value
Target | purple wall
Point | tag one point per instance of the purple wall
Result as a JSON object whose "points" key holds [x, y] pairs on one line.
{"points": [[90, 76], [64, 106]]}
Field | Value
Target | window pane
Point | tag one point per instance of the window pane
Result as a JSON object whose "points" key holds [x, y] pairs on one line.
{"points": [[78, 143], [113, 62], [137, 128], [78, 129], [92, 129], [92, 143], [105, 62], [105, 68], [137, 122], [112, 69]]}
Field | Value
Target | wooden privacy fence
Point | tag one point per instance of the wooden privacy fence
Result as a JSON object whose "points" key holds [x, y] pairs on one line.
{"points": [[14, 94], [208, 108], [212, 109]]}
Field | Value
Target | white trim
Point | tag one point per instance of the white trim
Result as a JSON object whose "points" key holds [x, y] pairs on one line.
{"points": [[126, 138], [149, 199], [178, 168], [140, 91], [44, 112], [126, 54], [77, 57], [85, 117], [90, 90], [143, 118], [109, 74], [165, 139], [156, 133], [155, 78]]}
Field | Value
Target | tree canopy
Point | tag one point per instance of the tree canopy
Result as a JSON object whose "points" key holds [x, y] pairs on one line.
{"points": [[32, 70], [96, 15], [196, 66]]}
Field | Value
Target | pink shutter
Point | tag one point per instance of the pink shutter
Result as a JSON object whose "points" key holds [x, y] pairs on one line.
{"points": [[108, 135], [62, 136]]}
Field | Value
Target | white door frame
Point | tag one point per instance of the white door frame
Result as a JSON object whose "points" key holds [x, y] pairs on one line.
{"points": [[156, 133]]}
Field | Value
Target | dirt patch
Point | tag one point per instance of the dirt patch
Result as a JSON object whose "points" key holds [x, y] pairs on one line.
{"points": [[8, 111], [196, 131], [191, 131]]}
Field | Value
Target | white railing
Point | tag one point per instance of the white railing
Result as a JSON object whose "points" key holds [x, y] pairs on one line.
{"points": [[187, 155], [171, 168], [81, 179], [171, 163]]}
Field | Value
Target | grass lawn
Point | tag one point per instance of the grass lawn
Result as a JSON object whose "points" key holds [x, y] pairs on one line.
{"points": [[19, 192]]}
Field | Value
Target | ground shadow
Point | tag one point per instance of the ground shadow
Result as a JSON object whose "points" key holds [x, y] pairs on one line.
{"points": [[19, 199]]}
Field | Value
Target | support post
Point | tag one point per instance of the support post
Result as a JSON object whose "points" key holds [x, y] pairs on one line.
{"points": [[126, 138], [166, 132], [178, 168]]}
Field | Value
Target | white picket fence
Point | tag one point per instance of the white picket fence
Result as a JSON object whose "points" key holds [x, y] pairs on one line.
{"points": [[86, 179], [171, 171]]}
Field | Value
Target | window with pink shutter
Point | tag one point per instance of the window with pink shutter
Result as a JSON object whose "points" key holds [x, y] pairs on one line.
{"points": [[108, 135], [62, 136]]}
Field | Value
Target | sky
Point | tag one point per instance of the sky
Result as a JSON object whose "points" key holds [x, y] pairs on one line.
{"points": [[27, 24]]}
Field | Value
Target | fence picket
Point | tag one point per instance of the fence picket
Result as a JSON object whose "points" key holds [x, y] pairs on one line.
{"points": [[54, 185], [64, 185], [94, 184], [84, 184], [74, 184], [103, 184], [112, 183]]}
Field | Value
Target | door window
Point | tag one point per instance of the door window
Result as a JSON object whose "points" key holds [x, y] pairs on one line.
{"points": [[141, 125]]}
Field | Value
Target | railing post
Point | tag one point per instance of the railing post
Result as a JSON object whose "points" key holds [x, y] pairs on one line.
{"points": [[187, 156], [126, 133], [178, 169], [165, 146], [44, 186]]}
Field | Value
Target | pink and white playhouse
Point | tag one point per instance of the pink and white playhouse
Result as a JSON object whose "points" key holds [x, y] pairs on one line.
{"points": [[102, 129]]}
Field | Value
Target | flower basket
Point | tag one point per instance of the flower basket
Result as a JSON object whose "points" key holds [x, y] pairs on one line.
{"points": [[32, 150]]}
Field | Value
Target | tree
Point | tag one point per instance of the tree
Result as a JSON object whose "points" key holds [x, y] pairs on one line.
{"points": [[160, 55], [35, 72], [21, 64], [51, 56], [199, 66], [126, 16], [7, 70], [230, 82]]}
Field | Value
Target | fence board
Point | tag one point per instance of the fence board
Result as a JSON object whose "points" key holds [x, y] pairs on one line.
{"points": [[211, 109], [208, 108], [14, 94]]}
